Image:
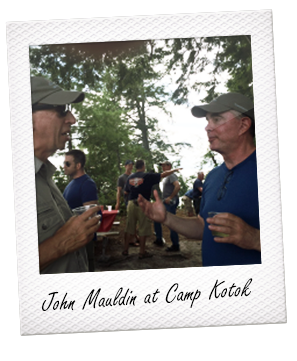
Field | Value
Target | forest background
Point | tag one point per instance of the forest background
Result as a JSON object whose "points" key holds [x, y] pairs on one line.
{"points": [[139, 96]]}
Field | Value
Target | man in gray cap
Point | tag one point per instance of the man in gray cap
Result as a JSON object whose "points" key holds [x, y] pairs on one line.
{"points": [[171, 188], [121, 193], [61, 237], [230, 189], [122, 182]]}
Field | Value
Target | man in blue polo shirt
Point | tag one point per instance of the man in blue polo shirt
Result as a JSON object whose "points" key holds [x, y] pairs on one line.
{"points": [[81, 190], [230, 189]]}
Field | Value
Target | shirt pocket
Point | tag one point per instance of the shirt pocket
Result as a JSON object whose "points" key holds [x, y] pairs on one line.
{"points": [[48, 222]]}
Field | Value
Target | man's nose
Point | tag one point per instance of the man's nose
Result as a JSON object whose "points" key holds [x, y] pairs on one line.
{"points": [[70, 118], [208, 127]]}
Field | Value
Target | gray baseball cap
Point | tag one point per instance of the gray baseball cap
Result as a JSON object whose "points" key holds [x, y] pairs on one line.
{"points": [[44, 91], [225, 102], [165, 163]]}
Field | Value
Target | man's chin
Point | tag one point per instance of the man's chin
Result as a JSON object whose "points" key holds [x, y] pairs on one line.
{"points": [[214, 149], [62, 147]]}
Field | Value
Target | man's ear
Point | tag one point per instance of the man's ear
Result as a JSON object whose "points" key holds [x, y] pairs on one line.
{"points": [[78, 166], [246, 123]]}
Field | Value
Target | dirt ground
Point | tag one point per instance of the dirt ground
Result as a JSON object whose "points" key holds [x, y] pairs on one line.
{"points": [[108, 255]]}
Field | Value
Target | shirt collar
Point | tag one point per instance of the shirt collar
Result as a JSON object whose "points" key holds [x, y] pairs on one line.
{"points": [[48, 165]]}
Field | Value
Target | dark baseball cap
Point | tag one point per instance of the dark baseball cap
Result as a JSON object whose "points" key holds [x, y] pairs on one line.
{"points": [[44, 91], [165, 163], [225, 102], [129, 162]]}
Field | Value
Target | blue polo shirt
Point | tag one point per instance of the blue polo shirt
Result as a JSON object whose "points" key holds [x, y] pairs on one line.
{"points": [[80, 190], [234, 191]]}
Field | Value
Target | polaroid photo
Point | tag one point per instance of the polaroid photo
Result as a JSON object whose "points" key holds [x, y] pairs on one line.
{"points": [[149, 88]]}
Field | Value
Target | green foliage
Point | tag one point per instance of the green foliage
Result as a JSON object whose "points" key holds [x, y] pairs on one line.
{"points": [[210, 159], [125, 93], [214, 55], [183, 186], [190, 57], [60, 179]]}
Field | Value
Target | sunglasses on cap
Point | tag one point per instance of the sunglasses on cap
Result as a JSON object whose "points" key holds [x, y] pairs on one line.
{"points": [[62, 110]]}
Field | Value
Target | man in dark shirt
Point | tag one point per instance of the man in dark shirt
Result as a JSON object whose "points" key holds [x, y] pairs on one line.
{"points": [[232, 237], [197, 192], [140, 183], [81, 190]]}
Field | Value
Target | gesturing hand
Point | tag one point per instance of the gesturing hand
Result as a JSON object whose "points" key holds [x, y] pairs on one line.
{"points": [[155, 211], [240, 233]]}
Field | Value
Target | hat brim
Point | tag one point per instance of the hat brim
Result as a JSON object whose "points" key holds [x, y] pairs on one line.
{"points": [[200, 111], [63, 97]]}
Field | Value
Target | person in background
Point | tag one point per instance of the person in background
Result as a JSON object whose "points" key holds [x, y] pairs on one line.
{"points": [[81, 190], [159, 241], [187, 199], [230, 189], [197, 191], [121, 193], [171, 188], [122, 182], [61, 237], [141, 183]]}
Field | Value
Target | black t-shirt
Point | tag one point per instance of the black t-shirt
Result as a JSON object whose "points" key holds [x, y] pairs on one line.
{"points": [[141, 183]]}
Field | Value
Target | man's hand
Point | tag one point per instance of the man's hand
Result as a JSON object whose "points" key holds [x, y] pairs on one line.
{"points": [[240, 233], [79, 230], [167, 200], [155, 211], [74, 234]]}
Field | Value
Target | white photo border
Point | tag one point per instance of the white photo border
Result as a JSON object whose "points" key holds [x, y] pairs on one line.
{"points": [[266, 300]]}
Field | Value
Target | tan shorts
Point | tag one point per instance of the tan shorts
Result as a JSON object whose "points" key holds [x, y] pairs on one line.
{"points": [[135, 215]]}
